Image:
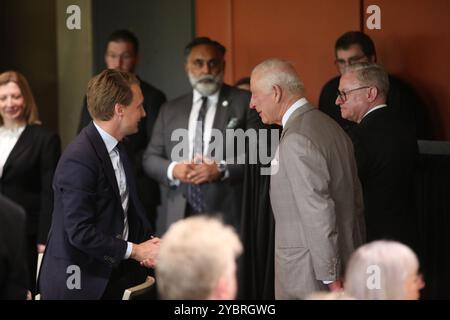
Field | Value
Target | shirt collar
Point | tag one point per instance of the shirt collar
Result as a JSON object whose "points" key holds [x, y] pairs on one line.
{"points": [[299, 103], [374, 108], [109, 140], [212, 98]]}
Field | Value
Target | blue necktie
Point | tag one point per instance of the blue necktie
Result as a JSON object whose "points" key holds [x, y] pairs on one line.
{"points": [[195, 196]]}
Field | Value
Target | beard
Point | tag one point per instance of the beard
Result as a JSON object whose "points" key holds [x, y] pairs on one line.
{"points": [[206, 85]]}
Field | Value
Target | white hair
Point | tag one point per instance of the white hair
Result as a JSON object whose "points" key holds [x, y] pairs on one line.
{"points": [[370, 74], [279, 72], [194, 254], [391, 261]]}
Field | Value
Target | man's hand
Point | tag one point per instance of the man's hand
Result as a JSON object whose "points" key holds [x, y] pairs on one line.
{"points": [[146, 252], [182, 170], [205, 170], [335, 286]]}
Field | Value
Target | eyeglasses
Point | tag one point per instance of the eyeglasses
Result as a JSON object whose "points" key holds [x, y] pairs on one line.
{"points": [[350, 61], [343, 94]]}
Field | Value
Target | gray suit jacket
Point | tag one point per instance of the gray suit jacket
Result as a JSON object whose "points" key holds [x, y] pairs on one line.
{"points": [[317, 203], [232, 112]]}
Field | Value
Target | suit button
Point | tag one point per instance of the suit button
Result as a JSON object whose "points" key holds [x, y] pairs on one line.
{"points": [[119, 236]]}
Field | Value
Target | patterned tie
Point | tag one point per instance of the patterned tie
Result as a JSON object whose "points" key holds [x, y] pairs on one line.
{"points": [[122, 166], [195, 196]]}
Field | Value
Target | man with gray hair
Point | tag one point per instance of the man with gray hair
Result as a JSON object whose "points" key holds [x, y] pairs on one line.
{"points": [[197, 260], [385, 153], [315, 193]]}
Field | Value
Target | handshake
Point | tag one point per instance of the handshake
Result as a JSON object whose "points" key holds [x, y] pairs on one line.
{"points": [[200, 170], [146, 252]]}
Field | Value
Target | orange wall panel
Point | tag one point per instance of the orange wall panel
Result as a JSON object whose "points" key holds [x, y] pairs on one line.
{"points": [[303, 32], [414, 43]]}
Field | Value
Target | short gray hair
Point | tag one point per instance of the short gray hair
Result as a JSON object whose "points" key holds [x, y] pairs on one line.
{"points": [[394, 260], [194, 254], [370, 74], [279, 72]]}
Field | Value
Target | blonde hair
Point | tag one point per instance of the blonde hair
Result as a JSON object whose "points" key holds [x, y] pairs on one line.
{"points": [[30, 112], [194, 254], [106, 89], [391, 261]]}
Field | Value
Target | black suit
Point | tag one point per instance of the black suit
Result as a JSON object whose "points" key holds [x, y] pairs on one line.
{"points": [[27, 179], [386, 155], [87, 224], [401, 98], [153, 99], [13, 263]]}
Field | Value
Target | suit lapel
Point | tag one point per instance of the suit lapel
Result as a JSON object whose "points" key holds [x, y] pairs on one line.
{"points": [[296, 116], [222, 110], [102, 153], [23, 143]]}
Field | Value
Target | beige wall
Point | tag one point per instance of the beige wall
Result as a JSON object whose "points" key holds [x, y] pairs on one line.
{"points": [[74, 49]]}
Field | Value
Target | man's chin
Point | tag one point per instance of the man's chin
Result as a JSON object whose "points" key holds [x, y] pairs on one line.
{"points": [[207, 89]]}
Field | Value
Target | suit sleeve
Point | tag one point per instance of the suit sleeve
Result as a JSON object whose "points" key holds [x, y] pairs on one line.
{"points": [[309, 178], [13, 252], [78, 188], [155, 161], [49, 156]]}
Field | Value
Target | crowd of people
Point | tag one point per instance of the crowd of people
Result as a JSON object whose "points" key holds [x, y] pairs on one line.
{"points": [[126, 200]]}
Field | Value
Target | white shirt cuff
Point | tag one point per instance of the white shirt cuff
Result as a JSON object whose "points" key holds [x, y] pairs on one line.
{"points": [[129, 250], [174, 182], [327, 282]]}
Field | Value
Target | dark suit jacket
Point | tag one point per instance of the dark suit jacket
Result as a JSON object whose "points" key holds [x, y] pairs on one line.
{"points": [[148, 188], [13, 262], [386, 155], [220, 196], [401, 98], [27, 177], [88, 220]]}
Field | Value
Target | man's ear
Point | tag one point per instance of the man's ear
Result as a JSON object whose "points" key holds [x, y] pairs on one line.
{"points": [[372, 93], [118, 109], [277, 93]]}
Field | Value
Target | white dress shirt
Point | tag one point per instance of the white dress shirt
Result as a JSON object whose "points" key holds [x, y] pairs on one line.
{"points": [[299, 103], [374, 108], [8, 139], [111, 147], [209, 121]]}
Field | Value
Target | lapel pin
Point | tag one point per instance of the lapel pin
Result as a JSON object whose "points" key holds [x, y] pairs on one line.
{"points": [[225, 103]]}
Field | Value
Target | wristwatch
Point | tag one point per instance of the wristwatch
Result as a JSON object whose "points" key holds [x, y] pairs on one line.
{"points": [[222, 167]]}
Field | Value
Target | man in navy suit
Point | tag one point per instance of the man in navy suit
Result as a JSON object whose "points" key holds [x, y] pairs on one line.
{"points": [[99, 240]]}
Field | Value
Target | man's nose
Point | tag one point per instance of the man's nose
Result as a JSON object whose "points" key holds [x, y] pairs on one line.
{"points": [[206, 68]]}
